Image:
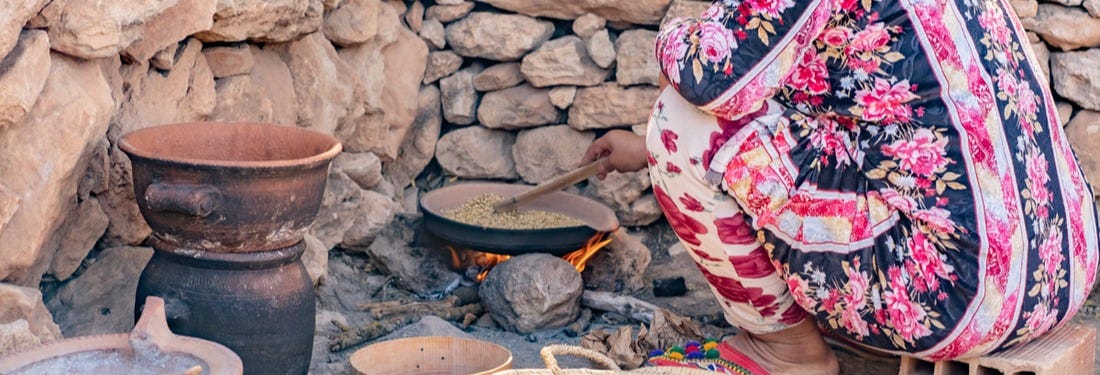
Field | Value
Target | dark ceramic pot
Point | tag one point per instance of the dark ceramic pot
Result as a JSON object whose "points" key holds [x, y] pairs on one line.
{"points": [[228, 187]]}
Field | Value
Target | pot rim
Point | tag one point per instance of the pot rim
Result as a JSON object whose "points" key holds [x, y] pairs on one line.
{"points": [[316, 159]]}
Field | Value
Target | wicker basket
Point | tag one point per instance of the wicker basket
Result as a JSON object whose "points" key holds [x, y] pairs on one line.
{"points": [[438, 355], [548, 356]]}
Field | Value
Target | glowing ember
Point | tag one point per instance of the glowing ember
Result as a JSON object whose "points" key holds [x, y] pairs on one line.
{"points": [[483, 262]]}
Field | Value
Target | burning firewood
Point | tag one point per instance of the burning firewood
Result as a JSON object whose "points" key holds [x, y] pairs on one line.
{"points": [[390, 323], [627, 306]]}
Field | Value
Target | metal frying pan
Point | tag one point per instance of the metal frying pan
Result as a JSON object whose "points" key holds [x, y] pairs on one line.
{"points": [[556, 241]]}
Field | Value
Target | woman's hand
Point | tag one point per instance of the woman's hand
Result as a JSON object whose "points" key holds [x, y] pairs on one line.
{"points": [[624, 152]]}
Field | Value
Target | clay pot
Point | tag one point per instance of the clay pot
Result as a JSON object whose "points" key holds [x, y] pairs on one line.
{"points": [[228, 187], [151, 348]]}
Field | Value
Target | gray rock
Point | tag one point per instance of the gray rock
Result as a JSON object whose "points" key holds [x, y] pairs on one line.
{"points": [[273, 75], [587, 25], [1065, 111], [422, 270], [637, 62], [374, 214], [16, 336], [685, 8], [90, 30], [126, 226], [441, 64], [359, 21], [169, 27], [642, 212], [646, 12], [1074, 75], [405, 62], [23, 74], [101, 300], [532, 292], [78, 236], [601, 49], [16, 14], [1065, 28], [611, 105], [264, 20], [619, 190], [419, 147], [434, 33], [164, 59], [562, 61], [1069, 3], [342, 203], [498, 77], [9, 203], [415, 16], [1081, 133], [362, 167], [460, 99], [315, 258], [562, 96], [517, 107], [545, 152], [477, 152], [1093, 6], [240, 99], [25, 304], [1042, 57], [323, 83], [449, 13], [185, 93], [495, 36], [1025, 8], [619, 267], [225, 61]]}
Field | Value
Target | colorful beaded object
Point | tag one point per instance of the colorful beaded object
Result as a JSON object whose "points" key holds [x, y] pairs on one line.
{"points": [[708, 355]]}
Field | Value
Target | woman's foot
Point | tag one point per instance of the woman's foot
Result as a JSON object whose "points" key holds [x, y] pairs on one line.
{"points": [[796, 350]]}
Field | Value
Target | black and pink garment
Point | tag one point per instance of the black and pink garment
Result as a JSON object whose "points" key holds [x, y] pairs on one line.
{"points": [[895, 168]]}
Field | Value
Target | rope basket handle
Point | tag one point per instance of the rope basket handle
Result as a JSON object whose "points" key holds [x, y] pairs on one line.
{"points": [[551, 362]]}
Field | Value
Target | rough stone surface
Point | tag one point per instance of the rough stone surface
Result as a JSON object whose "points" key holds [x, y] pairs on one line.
{"points": [[460, 99], [1065, 28], [225, 61], [642, 212], [169, 27], [16, 336], [587, 25], [273, 75], [1025, 8], [423, 270], [685, 8], [127, 227], [101, 300], [1074, 75], [548, 151], [16, 14], [1069, 3], [611, 105], [323, 83], [264, 20], [185, 93], [1042, 57], [376, 212], [532, 292], [89, 29], [369, 68], [315, 258], [477, 152], [358, 21], [562, 96], [240, 99], [562, 61], [9, 203], [1065, 112], [1093, 6], [1083, 133], [636, 61], [165, 59], [498, 77], [405, 62], [441, 64], [24, 303], [415, 16], [343, 200], [619, 267], [495, 36], [69, 117], [517, 107], [646, 12], [434, 33], [23, 74], [364, 168], [601, 49], [449, 13], [419, 147], [82, 228], [619, 190]]}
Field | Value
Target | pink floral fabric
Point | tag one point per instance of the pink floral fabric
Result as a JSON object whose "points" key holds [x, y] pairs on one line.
{"points": [[893, 169]]}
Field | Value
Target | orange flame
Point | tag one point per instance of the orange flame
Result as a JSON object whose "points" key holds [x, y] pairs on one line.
{"points": [[463, 259]]}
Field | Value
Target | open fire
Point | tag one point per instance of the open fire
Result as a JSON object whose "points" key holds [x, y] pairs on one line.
{"points": [[482, 262]]}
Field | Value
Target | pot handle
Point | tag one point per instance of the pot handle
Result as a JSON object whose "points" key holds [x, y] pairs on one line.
{"points": [[194, 200]]}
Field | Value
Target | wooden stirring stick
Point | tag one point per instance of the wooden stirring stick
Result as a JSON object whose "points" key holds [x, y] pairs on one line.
{"points": [[550, 186]]}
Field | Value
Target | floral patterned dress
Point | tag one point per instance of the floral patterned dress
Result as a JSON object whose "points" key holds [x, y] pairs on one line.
{"points": [[893, 169]]}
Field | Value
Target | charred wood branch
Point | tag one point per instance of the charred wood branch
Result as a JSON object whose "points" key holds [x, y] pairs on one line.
{"points": [[385, 326], [627, 306], [383, 309], [580, 325]]}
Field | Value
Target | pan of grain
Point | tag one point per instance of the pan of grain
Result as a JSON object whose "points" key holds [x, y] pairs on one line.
{"points": [[583, 218]]}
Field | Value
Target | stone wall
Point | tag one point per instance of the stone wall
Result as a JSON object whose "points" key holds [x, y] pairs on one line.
{"points": [[490, 89]]}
